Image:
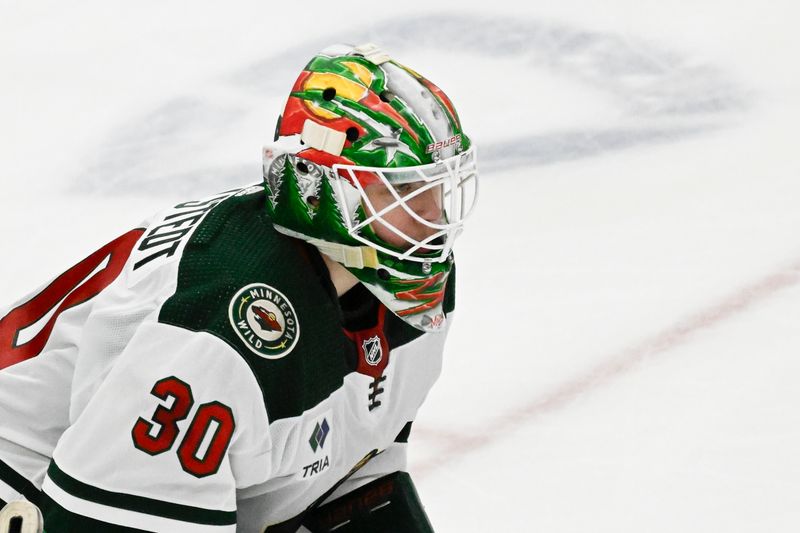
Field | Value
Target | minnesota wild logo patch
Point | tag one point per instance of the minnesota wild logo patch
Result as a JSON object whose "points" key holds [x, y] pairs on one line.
{"points": [[265, 320]]}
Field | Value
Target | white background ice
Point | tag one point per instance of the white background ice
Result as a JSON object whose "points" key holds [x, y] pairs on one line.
{"points": [[626, 353]]}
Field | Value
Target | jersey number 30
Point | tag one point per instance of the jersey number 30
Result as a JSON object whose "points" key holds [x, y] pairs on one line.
{"points": [[202, 449]]}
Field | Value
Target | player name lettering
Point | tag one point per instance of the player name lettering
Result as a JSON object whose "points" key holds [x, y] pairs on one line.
{"points": [[164, 239], [316, 467]]}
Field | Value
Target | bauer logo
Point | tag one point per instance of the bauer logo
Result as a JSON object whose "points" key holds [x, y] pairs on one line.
{"points": [[455, 139], [265, 320]]}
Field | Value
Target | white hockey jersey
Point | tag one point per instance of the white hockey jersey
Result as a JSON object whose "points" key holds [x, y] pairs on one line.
{"points": [[199, 374]]}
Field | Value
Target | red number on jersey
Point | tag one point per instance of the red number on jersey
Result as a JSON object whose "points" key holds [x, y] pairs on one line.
{"points": [[214, 413], [201, 423], [166, 417], [74, 287]]}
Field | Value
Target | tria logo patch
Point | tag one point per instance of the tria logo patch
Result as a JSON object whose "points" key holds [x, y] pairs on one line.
{"points": [[317, 440], [320, 461], [316, 467], [373, 352], [265, 320]]}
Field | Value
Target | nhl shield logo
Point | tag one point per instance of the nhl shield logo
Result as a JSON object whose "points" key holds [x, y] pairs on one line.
{"points": [[265, 320], [373, 353]]}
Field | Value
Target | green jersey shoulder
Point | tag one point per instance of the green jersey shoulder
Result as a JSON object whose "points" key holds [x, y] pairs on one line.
{"points": [[241, 281], [265, 294]]}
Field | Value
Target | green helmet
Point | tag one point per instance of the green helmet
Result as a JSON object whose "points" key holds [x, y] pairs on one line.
{"points": [[371, 166]]}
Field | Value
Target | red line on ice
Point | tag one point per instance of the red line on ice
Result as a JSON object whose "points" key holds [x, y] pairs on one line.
{"points": [[454, 445]]}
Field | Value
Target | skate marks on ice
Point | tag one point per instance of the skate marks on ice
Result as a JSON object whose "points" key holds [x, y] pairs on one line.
{"points": [[659, 96], [445, 447]]}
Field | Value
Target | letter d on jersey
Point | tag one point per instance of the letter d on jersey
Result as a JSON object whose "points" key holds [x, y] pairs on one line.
{"points": [[21, 516]]}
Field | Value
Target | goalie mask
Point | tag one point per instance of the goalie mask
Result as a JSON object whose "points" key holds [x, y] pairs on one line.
{"points": [[370, 165]]}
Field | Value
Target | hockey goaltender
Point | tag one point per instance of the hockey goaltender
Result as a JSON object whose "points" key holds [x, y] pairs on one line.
{"points": [[252, 361]]}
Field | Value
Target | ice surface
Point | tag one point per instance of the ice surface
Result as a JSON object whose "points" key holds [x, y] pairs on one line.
{"points": [[625, 352]]}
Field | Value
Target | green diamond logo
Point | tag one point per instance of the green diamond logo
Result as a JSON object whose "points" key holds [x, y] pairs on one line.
{"points": [[319, 435]]}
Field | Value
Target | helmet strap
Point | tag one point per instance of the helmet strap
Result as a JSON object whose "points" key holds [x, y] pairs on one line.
{"points": [[349, 256], [322, 137]]}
